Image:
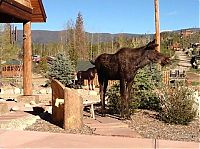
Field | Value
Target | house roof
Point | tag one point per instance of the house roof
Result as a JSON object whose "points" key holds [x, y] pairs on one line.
{"points": [[18, 11], [13, 62], [83, 65]]}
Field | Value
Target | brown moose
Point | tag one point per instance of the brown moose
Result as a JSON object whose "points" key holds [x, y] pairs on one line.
{"points": [[123, 66]]}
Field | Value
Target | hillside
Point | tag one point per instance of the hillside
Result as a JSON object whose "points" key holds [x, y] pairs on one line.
{"points": [[45, 36]]}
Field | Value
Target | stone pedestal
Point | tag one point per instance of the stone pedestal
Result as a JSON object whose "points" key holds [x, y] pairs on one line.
{"points": [[73, 110]]}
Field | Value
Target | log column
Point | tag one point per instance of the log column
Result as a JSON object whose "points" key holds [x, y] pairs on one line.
{"points": [[27, 59], [157, 24]]}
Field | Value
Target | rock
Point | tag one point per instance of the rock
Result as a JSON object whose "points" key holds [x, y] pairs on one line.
{"points": [[2, 92], [17, 91], [2, 100], [48, 109], [93, 93], [27, 105], [43, 91], [32, 102], [48, 91], [15, 108]]}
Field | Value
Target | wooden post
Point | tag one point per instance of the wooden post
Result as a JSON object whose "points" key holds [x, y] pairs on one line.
{"points": [[157, 24], [27, 59]]}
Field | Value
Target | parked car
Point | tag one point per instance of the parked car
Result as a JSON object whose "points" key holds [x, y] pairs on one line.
{"points": [[36, 58], [195, 61]]}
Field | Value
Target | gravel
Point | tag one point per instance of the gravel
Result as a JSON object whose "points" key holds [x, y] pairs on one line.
{"points": [[143, 122], [147, 125], [45, 124]]}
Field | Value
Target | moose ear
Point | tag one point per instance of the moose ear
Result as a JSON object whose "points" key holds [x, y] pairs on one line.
{"points": [[151, 45]]}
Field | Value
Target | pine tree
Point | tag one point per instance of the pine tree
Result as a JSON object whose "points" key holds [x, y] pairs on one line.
{"points": [[71, 42], [80, 38], [62, 69]]}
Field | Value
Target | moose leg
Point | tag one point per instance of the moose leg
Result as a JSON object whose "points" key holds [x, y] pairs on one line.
{"points": [[105, 84], [127, 97], [101, 89], [89, 82], [129, 87], [123, 95], [92, 84]]}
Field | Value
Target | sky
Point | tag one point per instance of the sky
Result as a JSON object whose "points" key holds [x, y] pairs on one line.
{"points": [[117, 16]]}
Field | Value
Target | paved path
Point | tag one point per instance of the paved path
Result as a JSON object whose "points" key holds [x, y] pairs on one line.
{"points": [[109, 133], [107, 126], [184, 60], [27, 139]]}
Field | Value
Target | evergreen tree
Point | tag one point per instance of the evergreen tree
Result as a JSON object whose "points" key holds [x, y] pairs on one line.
{"points": [[70, 39], [62, 69], [80, 38], [145, 82]]}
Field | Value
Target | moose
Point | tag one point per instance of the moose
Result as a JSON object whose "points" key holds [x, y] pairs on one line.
{"points": [[89, 74], [123, 66]]}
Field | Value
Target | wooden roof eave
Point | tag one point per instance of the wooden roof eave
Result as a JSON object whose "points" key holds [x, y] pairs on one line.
{"points": [[16, 10], [41, 15]]}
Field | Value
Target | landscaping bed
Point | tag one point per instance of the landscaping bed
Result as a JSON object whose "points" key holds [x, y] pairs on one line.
{"points": [[143, 122], [147, 124]]}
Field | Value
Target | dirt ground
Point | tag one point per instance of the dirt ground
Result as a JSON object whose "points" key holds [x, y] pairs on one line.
{"points": [[191, 76]]}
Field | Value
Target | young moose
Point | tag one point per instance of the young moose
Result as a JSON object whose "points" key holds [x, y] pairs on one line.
{"points": [[123, 66], [89, 75]]}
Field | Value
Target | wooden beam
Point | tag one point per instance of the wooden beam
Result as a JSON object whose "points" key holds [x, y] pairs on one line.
{"points": [[16, 10], [157, 24], [27, 59]]}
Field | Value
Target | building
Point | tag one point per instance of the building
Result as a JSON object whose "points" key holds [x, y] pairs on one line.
{"points": [[12, 68]]}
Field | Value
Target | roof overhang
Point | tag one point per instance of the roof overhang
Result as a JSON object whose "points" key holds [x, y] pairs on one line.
{"points": [[18, 11], [39, 14], [13, 11]]}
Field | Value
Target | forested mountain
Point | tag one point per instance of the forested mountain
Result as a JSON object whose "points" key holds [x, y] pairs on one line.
{"points": [[45, 36]]}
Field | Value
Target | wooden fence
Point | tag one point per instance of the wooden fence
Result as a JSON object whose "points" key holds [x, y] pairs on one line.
{"points": [[167, 76], [96, 83], [12, 71]]}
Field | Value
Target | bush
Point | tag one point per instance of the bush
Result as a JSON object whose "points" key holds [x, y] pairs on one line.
{"points": [[62, 69], [143, 93], [114, 99], [142, 96], [40, 68], [177, 105]]}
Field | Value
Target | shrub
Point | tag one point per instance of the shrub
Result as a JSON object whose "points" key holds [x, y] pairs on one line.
{"points": [[142, 95], [177, 105], [40, 68], [114, 99], [62, 69]]}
